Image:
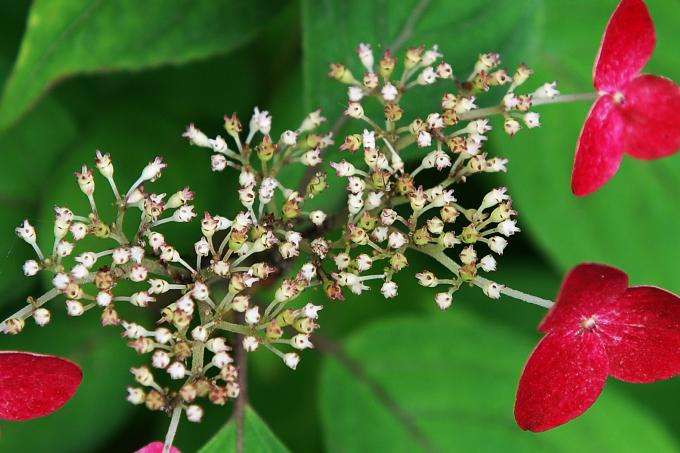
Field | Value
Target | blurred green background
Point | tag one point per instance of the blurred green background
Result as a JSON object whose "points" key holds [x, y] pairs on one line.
{"points": [[126, 76]]}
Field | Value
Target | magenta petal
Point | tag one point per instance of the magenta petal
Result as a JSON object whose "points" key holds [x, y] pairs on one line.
{"points": [[156, 447], [561, 380], [642, 335], [651, 111], [34, 385], [599, 149], [587, 289], [627, 44]]}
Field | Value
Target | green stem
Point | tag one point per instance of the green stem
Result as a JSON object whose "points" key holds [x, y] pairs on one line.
{"points": [[172, 429], [438, 254]]}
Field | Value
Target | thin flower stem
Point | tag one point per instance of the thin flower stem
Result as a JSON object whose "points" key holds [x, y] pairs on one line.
{"points": [[235, 328], [497, 109], [172, 429], [447, 262], [30, 308]]}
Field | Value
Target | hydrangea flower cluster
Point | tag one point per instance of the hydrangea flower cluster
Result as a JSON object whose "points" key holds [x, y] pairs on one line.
{"points": [[205, 306], [395, 206]]}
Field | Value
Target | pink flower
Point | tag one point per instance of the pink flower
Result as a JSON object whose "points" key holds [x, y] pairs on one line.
{"points": [[156, 447], [636, 114], [35, 385], [598, 327]]}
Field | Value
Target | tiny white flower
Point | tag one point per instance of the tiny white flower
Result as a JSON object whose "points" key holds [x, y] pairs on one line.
{"points": [[138, 273], [308, 271], [343, 168], [141, 299], [41, 316], [355, 203], [218, 144], [498, 244], [355, 184], [291, 360], [312, 121], [74, 308], [61, 280], [311, 311], [250, 343], [511, 126], [364, 262], [289, 138], [26, 232], [492, 290], [104, 298], [389, 290], [355, 93], [354, 110], [430, 56], [202, 247], [217, 344], [135, 395], [87, 259], [532, 119], [342, 260], [160, 359], [79, 272], [379, 234], [142, 375], [494, 197], [368, 139], [427, 76], [194, 413], [121, 255], [156, 240], [221, 359], [30, 268], [443, 300], [507, 227], [184, 214], [435, 121], [177, 370], [488, 263], [260, 121], [64, 248], [196, 137], [153, 169], [546, 91], [397, 240], [424, 139], [373, 200], [301, 342], [133, 330], [317, 217], [366, 56], [510, 101], [199, 333], [389, 92], [162, 335], [252, 315], [137, 254], [186, 304], [78, 230], [311, 158]]}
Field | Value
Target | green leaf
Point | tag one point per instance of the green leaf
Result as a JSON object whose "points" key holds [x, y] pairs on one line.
{"points": [[333, 29], [98, 408], [447, 383], [68, 37], [257, 437], [631, 221]]}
